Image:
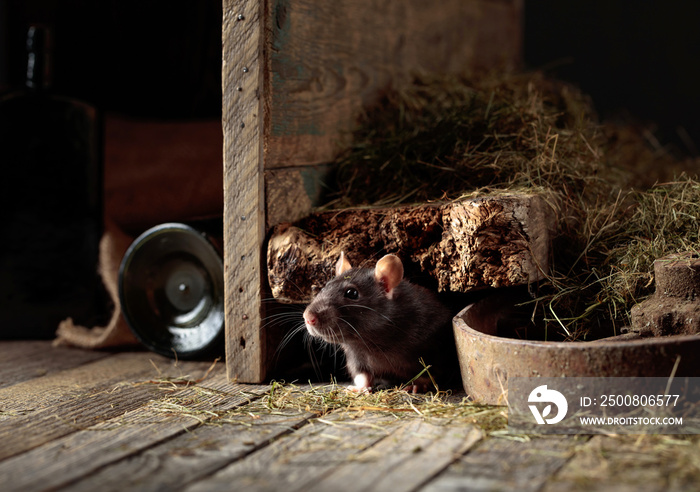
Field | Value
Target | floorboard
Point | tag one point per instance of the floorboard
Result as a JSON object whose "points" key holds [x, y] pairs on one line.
{"points": [[52, 406], [415, 453], [80, 421], [189, 456], [510, 463], [25, 360], [75, 455], [630, 463], [302, 458]]}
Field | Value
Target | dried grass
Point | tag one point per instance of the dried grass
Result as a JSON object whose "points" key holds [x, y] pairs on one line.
{"points": [[318, 401], [450, 138], [441, 405], [332, 403]]}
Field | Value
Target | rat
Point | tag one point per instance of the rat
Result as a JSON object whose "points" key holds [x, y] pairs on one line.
{"points": [[384, 324]]}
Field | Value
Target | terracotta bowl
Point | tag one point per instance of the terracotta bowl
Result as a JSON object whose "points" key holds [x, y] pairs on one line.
{"points": [[487, 360]]}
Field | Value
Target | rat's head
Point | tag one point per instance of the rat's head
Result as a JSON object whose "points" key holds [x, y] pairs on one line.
{"points": [[354, 303]]}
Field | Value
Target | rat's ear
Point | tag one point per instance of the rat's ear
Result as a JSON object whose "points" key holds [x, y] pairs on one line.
{"points": [[389, 273], [343, 265]]}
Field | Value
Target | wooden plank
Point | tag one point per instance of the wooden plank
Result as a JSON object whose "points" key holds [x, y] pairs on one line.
{"points": [[64, 460], [630, 464], [329, 60], [28, 359], [296, 74], [505, 464], [37, 411], [190, 456], [414, 454], [244, 206], [298, 460], [290, 194]]}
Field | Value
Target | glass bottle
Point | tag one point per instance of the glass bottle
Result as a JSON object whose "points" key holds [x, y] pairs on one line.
{"points": [[50, 203]]}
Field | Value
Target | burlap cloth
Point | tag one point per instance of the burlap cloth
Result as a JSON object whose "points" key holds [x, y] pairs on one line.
{"points": [[154, 172], [116, 333]]}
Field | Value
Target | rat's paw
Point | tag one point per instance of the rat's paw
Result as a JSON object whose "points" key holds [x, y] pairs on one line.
{"points": [[359, 389], [362, 383], [420, 385], [413, 388]]}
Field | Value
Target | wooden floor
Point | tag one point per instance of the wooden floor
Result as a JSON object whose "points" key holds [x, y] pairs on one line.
{"points": [[94, 421]]}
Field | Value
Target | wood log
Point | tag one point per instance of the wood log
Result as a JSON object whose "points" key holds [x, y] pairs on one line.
{"points": [[491, 241]]}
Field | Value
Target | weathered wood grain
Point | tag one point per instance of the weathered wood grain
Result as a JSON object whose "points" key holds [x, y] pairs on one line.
{"points": [[156, 441], [496, 240], [507, 464], [296, 74], [330, 60], [37, 411], [629, 464], [414, 454], [27, 359], [190, 456], [69, 458], [244, 204], [291, 194], [298, 460]]}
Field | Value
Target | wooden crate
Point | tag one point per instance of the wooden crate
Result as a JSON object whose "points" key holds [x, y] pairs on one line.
{"points": [[296, 75]]}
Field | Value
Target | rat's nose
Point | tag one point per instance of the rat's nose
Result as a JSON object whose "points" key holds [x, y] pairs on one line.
{"points": [[310, 318]]}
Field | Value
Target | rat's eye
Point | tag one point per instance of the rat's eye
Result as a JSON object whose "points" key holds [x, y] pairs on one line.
{"points": [[351, 293]]}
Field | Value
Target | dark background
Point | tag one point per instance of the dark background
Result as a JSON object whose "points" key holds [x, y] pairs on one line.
{"points": [[161, 58], [636, 59], [147, 58]]}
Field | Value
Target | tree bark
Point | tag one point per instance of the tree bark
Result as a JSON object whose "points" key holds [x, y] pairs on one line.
{"points": [[498, 240]]}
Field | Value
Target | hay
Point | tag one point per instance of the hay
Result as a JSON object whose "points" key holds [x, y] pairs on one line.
{"points": [[442, 137], [322, 400], [318, 401], [449, 138]]}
